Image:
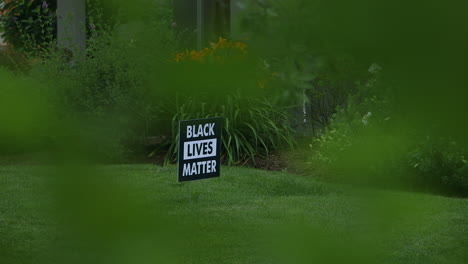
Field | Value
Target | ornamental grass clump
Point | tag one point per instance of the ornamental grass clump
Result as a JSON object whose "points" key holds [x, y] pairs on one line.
{"points": [[222, 80]]}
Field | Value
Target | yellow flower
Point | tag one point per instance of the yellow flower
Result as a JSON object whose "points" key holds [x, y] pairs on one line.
{"points": [[196, 56], [179, 57], [205, 52], [261, 84], [211, 51], [241, 46], [223, 43]]}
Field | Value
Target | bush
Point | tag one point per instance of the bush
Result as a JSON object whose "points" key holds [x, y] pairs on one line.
{"points": [[363, 144], [29, 25], [103, 94], [251, 128], [223, 80], [441, 165], [314, 81], [366, 109]]}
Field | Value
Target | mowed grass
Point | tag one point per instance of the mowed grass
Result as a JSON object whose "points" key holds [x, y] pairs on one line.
{"points": [[140, 214]]}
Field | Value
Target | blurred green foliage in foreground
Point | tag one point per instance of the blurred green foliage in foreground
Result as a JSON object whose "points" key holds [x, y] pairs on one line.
{"points": [[402, 126]]}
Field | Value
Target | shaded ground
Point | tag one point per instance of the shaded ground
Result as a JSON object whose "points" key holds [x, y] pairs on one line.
{"points": [[140, 214]]}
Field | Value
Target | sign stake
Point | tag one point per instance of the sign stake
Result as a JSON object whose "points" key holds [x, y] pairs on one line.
{"points": [[190, 192]]}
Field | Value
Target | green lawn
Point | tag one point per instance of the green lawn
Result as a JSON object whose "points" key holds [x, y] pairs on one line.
{"points": [[140, 214]]}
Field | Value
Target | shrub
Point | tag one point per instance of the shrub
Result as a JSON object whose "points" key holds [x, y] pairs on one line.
{"points": [[314, 80], [251, 128], [29, 25], [215, 81], [103, 94], [441, 165], [367, 109], [365, 145], [223, 80]]}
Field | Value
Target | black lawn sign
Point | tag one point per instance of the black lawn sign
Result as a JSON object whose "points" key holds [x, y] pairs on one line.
{"points": [[199, 149]]}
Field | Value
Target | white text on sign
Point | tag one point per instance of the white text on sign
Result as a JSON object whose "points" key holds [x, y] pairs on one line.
{"points": [[195, 131], [200, 149], [199, 167]]}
